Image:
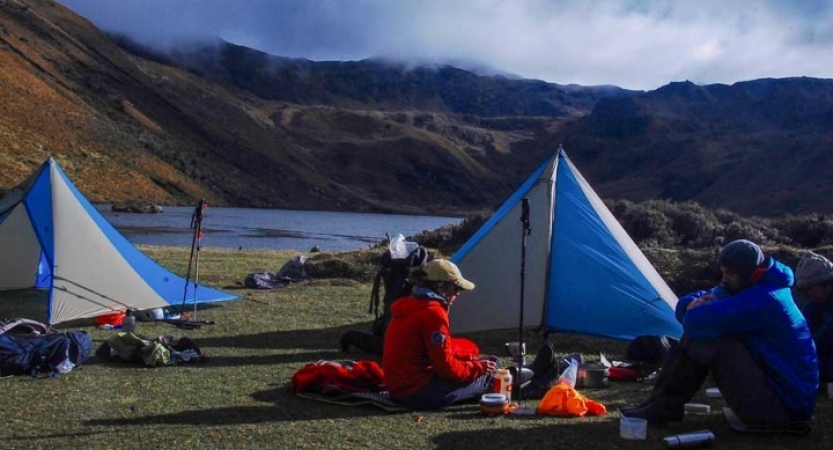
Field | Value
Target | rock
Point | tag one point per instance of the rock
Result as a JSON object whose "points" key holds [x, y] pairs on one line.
{"points": [[136, 207]]}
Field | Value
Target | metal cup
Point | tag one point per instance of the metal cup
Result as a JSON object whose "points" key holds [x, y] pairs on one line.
{"points": [[516, 351]]}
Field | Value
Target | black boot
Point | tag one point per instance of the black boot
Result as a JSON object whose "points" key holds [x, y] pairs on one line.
{"points": [[659, 381], [682, 379], [540, 384], [544, 360]]}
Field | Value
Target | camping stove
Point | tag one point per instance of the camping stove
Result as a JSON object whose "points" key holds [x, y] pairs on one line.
{"points": [[517, 352]]}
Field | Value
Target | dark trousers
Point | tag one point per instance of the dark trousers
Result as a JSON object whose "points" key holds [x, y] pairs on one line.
{"points": [[824, 348], [441, 393], [741, 381]]}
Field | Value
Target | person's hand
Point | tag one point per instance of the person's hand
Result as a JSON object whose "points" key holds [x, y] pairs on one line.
{"points": [[489, 365], [699, 301]]}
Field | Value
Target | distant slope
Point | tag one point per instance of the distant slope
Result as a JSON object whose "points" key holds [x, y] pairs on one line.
{"points": [[240, 127], [377, 84], [758, 147], [125, 127]]}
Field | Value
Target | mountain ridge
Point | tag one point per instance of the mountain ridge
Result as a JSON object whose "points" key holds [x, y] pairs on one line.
{"points": [[240, 127]]}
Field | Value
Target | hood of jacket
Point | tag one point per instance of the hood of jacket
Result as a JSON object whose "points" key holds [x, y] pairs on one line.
{"points": [[422, 298], [778, 274]]}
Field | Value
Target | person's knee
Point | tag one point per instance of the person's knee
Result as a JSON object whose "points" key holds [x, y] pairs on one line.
{"points": [[707, 352]]}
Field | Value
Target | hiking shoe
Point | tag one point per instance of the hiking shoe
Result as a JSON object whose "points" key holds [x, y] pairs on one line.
{"points": [[648, 401], [544, 360], [627, 408], [538, 387], [654, 415]]}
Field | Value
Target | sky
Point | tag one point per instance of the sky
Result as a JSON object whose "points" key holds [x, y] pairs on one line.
{"points": [[634, 44]]}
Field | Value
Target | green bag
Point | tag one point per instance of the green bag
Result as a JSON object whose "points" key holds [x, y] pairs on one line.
{"points": [[155, 355]]}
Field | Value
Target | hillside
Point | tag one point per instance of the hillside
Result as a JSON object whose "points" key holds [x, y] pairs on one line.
{"points": [[241, 127], [756, 147], [126, 127], [376, 84]]}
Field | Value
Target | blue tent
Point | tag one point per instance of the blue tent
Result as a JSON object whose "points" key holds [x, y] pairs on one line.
{"points": [[53, 238], [583, 273]]}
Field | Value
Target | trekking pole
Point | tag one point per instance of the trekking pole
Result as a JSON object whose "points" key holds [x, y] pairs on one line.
{"points": [[526, 230], [196, 225]]}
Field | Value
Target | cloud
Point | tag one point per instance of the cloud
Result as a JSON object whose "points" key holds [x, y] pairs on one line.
{"points": [[637, 44]]}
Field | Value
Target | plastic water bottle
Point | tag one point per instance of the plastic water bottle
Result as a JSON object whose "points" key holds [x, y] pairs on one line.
{"points": [[129, 322], [570, 374], [503, 383]]}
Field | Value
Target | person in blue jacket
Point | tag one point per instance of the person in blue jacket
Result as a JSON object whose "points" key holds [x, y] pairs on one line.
{"points": [[814, 279], [750, 335]]}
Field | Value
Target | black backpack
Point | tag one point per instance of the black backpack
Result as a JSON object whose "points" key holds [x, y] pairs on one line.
{"points": [[394, 276], [650, 349]]}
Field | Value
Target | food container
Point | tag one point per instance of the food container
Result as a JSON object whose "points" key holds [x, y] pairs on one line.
{"points": [[494, 404], [592, 375]]}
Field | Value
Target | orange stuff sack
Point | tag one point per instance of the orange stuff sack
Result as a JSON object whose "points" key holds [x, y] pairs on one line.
{"points": [[562, 400]]}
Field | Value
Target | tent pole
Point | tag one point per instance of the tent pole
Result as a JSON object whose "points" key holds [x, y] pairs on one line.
{"points": [[526, 230]]}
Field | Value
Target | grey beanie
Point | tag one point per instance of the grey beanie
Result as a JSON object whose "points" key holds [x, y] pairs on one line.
{"points": [[812, 270], [741, 257]]}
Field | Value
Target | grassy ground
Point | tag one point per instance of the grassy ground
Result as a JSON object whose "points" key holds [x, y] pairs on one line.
{"points": [[239, 398]]}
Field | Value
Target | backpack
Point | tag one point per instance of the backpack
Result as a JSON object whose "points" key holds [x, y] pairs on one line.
{"points": [[650, 349], [394, 277], [43, 355]]}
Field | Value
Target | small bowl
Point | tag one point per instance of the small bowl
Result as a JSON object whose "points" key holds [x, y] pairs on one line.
{"points": [[494, 404]]}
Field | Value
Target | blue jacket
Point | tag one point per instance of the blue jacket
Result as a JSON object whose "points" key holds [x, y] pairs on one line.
{"points": [[820, 319], [766, 317]]}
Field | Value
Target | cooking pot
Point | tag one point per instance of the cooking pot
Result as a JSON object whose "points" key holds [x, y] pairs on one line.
{"points": [[592, 375]]}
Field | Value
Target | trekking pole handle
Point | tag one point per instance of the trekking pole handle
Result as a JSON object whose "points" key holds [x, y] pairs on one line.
{"points": [[196, 217]]}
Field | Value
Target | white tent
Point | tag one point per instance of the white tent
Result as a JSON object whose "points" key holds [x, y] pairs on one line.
{"points": [[583, 273], [53, 238]]}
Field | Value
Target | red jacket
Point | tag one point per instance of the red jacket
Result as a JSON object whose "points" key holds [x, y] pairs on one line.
{"points": [[418, 348]]}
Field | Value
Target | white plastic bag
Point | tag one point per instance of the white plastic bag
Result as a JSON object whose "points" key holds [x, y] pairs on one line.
{"points": [[570, 374], [400, 248]]}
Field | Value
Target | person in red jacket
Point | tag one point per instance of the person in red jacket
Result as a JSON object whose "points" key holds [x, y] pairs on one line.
{"points": [[421, 369]]}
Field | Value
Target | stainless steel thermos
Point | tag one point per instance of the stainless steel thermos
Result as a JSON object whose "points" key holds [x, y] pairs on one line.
{"points": [[702, 438]]}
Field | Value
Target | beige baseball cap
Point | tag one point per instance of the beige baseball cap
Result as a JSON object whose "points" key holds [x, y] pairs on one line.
{"points": [[445, 270]]}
